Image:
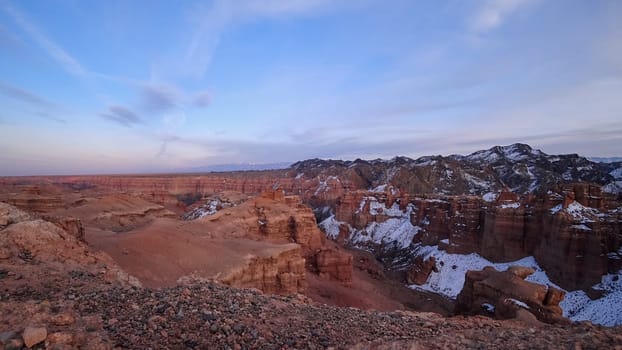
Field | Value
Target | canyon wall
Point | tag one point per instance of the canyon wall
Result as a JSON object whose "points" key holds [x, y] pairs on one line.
{"points": [[575, 233]]}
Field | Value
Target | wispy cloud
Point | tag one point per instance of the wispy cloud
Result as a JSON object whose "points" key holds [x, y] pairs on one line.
{"points": [[494, 12], [202, 99], [69, 63], [121, 115], [25, 96], [158, 98]]}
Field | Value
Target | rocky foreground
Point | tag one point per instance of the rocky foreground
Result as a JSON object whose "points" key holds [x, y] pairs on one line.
{"points": [[206, 315]]}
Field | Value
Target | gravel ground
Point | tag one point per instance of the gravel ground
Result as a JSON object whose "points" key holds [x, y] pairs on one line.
{"points": [[217, 317]]}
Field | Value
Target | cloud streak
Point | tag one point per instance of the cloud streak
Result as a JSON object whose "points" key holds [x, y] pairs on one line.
{"points": [[69, 63], [25, 96], [121, 115]]}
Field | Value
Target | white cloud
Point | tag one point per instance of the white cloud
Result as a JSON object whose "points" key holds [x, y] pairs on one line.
{"points": [[493, 12]]}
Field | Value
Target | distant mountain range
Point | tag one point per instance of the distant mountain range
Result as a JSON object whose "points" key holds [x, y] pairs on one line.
{"points": [[237, 167], [517, 167]]}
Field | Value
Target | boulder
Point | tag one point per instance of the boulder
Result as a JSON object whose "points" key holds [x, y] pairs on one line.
{"points": [[34, 335], [509, 295]]}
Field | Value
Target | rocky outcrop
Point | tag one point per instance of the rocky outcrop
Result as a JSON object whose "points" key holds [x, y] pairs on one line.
{"points": [[273, 217], [507, 295], [335, 265], [71, 225], [420, 270], [281, 273], [277, 218], [31, 241]]}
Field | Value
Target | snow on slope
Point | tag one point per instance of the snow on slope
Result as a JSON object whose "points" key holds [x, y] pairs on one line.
{"points": [[577, 306], [452, 268], [395, 230], [579, 212], [606, 311], [330, 226]]}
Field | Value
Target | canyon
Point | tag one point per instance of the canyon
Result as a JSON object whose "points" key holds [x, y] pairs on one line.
{"points": [[384, 235]]}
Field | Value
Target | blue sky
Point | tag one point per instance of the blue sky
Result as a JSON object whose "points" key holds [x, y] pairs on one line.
{"points": [[143, 86]]}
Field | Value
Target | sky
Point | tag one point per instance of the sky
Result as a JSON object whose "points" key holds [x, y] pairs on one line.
{"points": [[155, 86]]}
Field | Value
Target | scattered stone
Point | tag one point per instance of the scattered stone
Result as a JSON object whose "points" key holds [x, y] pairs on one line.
{"points": [[60, 338], [63, 319], [34, 335]]}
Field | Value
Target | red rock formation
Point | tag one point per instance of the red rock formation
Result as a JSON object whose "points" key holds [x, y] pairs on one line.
{"points": [[510, 295], [575, 251], [27, 240], [503, 234], [421, 270], [282, 219], [33, 199], [281, 273], [71, 225], [333, 264]]}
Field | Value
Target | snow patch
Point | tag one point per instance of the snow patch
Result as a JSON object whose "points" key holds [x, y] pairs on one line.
{"points": [[449, 279], [209, 208], [330, 226], [579, 213], [514, 205], [490, 197], [488, 307], [396, 230], [380, 189], [518, 302], [606, 311]]}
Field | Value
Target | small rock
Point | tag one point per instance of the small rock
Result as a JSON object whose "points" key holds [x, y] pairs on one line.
{"points": [[63, 319], [34, 335]]}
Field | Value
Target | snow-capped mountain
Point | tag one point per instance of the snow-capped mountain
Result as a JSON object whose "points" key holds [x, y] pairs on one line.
{"points": [[518, 168]]}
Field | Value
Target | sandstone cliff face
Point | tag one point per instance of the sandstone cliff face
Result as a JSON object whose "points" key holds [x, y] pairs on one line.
{"points": [[574, 243], [332, 264], [33, 198], [283, 219], [272, 217], [281, 273], [507, 295]]}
